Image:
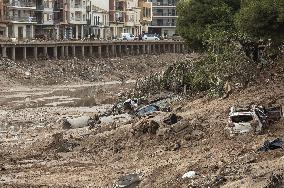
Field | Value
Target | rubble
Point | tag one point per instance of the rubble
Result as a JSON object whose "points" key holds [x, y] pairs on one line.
{"points": [[147, 110], [35, 151], [79, 122], [271, 145], [189, 174], [76, 70], [128, 181], [2, 168], [59, 144], [172, 119], [145, 126], [130, 104]]}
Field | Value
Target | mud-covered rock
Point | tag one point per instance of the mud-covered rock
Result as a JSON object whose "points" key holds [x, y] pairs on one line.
{"points": [[145, 126]]}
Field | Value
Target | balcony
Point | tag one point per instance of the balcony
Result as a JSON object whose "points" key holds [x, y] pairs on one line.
{"points": [[78, 6], [119, 19], [163, 24], [26, 19], [158, 14], [21, 5], [161, 4], [60, 5], [78, 19], [45, 22], [129, 24], [57, 7]]}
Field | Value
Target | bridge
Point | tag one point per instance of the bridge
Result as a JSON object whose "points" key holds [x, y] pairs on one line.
{"points": [[82, 49]]}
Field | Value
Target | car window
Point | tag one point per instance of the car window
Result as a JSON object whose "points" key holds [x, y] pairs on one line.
{"points": [[241, 118]]}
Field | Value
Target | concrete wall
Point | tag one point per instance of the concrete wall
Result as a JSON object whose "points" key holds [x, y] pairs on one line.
{"points": [[102, 4]]}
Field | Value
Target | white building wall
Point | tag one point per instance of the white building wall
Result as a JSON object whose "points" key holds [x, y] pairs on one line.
{"points": [[103, 4], [102, 11]]}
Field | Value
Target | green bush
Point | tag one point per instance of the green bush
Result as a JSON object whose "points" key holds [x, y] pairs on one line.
{"points": [[207, 74]]}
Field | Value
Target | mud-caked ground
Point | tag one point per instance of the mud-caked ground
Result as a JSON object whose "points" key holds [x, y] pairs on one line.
{"points": [[35, 151]]}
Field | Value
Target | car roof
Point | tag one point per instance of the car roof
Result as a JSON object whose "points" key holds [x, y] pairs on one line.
{"points": [[241, 113]]}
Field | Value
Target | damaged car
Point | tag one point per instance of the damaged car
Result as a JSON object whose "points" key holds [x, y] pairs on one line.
{"points": [[254, 118]]}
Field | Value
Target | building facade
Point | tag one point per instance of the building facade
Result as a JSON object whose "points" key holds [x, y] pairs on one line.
{"points": [[2, 25], [146, 14], [164, 17], [78, 19], [117, 17], [47, 18], [132, 18], [125, 17], [19, 17], [98, 19]]}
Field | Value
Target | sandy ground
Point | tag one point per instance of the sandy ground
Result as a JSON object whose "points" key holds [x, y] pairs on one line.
{"points": [[31, 156]]}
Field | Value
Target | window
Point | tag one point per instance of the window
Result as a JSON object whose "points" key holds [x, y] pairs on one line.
{"points": [[45, 17], [241, 118], [50, 17]]}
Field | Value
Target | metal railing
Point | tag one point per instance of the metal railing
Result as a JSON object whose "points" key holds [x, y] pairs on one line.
{"points": [[163, 24], [21, 19], [79, 6], [40, 7], [163, 4], [78, 19], [21, 4], [164, 14]]}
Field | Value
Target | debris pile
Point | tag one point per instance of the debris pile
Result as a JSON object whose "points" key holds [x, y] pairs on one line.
{"points": [[49, 72], [173, 141], [271, 145]]}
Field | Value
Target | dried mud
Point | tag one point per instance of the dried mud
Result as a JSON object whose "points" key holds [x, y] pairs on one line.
{"points": [[36, 152]]}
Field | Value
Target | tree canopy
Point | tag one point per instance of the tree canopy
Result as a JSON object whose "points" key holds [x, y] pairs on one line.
{"points": [[197, 17], [201, 19], [261, 18]]}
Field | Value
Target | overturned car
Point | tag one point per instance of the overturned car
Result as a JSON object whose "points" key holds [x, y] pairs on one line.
{"points": [[254, 118]]}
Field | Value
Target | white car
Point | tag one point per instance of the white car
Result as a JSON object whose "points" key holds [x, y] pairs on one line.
{"points": [[127, 37], [241, 122], [150, 37], [254, 118]]}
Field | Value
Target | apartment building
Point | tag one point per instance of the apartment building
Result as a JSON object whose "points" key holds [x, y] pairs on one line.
{"points": [[47, 17], [164, 17], [116, 17], [98, 19], [146, 14], [125, 16], [2, 25], [19, 17], [76, 18], [132, 18]]}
